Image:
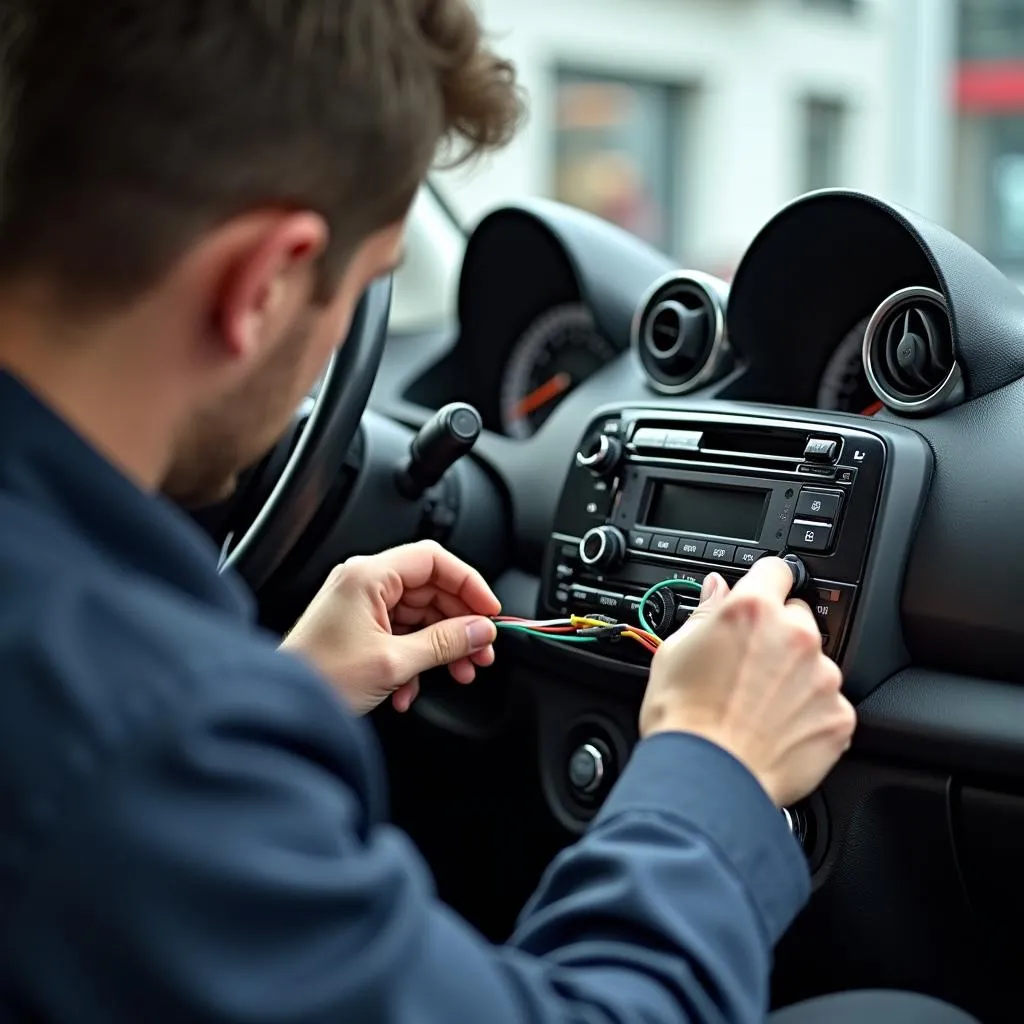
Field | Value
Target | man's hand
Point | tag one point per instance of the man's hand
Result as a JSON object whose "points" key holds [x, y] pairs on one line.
{"points": [[748, 673], [380, 621]]}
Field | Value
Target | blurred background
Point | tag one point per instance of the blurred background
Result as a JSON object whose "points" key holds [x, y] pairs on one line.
{"points": [[690, 122]]}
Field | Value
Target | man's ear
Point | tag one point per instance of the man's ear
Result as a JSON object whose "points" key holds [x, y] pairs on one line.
{"points": [[269, 282]]}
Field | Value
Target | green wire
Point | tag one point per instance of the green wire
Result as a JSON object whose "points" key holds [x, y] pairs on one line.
{"points": [[663, 585], [561, 638], [558, 637]]}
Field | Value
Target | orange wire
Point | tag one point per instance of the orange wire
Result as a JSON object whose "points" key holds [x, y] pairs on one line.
{"points": [[649, 641]]}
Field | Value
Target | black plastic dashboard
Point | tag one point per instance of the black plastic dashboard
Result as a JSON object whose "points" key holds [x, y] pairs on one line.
{"points": [[932, 655], [822, 265]]}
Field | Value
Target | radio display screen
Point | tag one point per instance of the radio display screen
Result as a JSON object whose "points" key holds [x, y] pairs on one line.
{"points": [[715, 511]]}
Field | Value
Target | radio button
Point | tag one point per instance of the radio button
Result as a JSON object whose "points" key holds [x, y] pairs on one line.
{"points": [[716, 552], [664, 545], [812, 469], [691, 548], [639, 540], [607, 602], [821, 449], [596, 507], [648, 437], [748, 556], [819, 504], [810, 537], [683, 440], [830, 606]]}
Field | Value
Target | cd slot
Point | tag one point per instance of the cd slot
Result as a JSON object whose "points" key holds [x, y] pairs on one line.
{"points": [[700, 444], [700, 439]]}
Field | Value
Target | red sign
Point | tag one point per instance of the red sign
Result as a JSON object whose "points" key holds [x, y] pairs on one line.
{"points": [[990, 86]]}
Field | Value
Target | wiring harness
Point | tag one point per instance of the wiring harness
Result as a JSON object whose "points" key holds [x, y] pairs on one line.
{"points": [[597, 629]]}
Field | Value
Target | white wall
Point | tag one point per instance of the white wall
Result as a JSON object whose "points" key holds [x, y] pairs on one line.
{"points": [[749, 63]]}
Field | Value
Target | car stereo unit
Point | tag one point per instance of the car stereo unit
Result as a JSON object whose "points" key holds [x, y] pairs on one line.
{"points": [[655, 495]]}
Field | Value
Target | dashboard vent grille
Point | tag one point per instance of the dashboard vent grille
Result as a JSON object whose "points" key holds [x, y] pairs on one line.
{"points": [[909, 353], [679, 332]]}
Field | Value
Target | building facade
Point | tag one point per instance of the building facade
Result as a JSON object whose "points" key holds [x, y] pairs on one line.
{"points": [[691, 121]]}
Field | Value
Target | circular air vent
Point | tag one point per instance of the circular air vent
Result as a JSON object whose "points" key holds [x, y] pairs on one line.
{"points": [[679, 332], [909, 355]]}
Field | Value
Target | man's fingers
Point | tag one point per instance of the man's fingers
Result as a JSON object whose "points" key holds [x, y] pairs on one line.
{"points": [[801, 614], [450, 606], [484, 658], [713, 592], [768, 577], [403, 698], [426, 563], [463, 671], [444, 643]]}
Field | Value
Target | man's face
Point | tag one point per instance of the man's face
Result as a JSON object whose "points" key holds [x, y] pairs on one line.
{"points": [[244, 423]]}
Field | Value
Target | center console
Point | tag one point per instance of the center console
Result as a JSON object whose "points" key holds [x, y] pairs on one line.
{"points": [[654, 495]]}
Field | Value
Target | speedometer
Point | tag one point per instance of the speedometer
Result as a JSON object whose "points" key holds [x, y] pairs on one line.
{"points": [[844, 384], [559, 351]]}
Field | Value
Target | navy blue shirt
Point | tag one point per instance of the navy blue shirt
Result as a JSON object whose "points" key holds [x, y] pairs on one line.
{"points": [[193, 828]]}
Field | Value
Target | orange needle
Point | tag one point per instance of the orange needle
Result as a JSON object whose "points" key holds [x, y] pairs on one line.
{"points": [[542, 395], [872, 409]]}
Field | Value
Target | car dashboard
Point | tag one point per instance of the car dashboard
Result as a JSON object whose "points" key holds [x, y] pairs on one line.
{"points": [[851, 398]]}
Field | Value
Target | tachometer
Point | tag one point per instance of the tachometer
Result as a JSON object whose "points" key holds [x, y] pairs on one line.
{"points": [[844, 384], [559, 351]]}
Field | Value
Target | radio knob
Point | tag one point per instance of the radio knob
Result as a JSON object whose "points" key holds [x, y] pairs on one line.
{"points": [[661, 612], [603, 547], [601, 457]]}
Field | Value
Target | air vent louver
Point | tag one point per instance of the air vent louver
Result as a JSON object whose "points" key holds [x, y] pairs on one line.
{"points": [[909, 354], [679, 332]]}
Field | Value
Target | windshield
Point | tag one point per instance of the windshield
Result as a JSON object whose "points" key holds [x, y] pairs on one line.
{"points": [[690, 122]]}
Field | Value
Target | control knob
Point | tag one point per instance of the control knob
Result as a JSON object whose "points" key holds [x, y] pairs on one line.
{"points": [[448, 435], [589, 767], [603, 547], [660, 612], [601, 457], [801, 577]]}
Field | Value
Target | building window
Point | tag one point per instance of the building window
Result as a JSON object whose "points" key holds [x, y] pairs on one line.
{"points": [[824, 130], [991, 30], [841, 6], [617, 153], [1005, 191], [990, 194]]}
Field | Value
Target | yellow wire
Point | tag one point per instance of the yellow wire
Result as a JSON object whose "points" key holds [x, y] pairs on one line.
{"points": [[588, 623], [641, 639]]}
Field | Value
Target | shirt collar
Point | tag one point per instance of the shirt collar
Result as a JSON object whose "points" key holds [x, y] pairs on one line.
{"points": [[46, 464]]}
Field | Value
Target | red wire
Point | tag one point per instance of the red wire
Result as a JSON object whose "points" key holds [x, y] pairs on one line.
{"points": [[639, 636]]}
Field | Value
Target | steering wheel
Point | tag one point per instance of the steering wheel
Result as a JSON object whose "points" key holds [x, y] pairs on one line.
{"points": [[321, 446]]}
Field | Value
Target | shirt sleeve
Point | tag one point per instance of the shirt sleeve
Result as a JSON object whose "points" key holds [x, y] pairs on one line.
{"points": [[233, 869]]}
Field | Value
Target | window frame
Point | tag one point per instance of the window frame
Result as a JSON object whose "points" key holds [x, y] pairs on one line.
{"points": [[677, 97]]}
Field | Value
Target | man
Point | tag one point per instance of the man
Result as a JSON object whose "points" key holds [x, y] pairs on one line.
{"points": [[194, 195]]}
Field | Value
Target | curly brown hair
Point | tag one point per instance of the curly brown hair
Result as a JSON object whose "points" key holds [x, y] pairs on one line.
{"points": [[130, 127]]}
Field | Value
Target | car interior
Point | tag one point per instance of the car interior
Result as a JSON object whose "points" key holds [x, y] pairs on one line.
{"points": [[599, 422]]}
